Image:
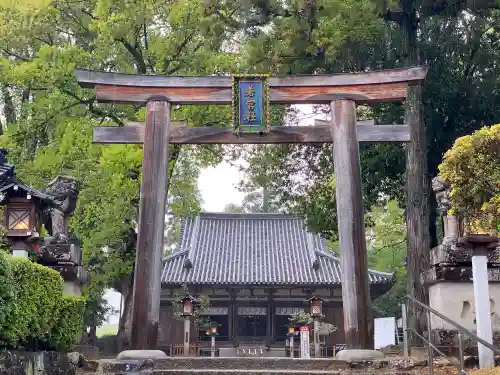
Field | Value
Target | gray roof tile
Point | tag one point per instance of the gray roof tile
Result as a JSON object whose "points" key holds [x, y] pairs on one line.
{"points": [[270, 249]]}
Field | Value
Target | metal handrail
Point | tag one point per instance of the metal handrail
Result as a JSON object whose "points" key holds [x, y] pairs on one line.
{"points": [[453, 323], [431, 347]]}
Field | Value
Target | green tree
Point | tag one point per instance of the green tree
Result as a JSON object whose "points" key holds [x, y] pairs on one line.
{"points": [[49, 119], [387, 251]]}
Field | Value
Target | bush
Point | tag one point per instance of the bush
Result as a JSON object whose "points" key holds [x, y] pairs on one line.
{"points": [[472, 168], [6, 287], [38, 316], [70, 322]]}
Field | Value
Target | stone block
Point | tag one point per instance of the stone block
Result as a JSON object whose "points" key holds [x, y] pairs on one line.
{"points": [[455, 273], [456, 302], [451, 254], [140, 354], [89, 352], [35, 363], [349, 355]]}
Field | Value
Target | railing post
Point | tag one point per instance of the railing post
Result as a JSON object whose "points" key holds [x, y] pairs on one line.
{"points": [[405, 332], [429, 339], [460, 353]]}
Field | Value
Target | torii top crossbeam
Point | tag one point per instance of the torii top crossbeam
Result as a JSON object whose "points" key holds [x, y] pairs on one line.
{"points": [[371, 87], [341, 91]]}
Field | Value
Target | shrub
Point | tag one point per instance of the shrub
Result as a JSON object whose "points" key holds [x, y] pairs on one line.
{"points": [[38, 315], [6, 287], [70, 323], [472, 168]]}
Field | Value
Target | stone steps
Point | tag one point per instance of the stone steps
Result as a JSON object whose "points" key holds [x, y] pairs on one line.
{"points": [[254, 366], [386, 371]]}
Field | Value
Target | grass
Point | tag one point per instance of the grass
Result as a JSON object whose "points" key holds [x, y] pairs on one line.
{"points": [[487, 371], [107, 329]]}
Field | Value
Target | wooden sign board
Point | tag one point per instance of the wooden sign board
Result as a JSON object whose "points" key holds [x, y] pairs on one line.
{"points": [[251, 101]]}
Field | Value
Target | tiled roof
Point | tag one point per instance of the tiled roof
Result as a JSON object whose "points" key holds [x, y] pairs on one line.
{"points": [[270, 249]]}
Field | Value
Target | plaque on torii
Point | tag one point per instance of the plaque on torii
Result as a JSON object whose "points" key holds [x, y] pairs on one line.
{"points": [[340, 91]]}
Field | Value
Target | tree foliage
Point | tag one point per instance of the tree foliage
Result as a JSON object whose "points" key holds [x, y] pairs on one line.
{"points": [[49, 119], [472, 168]]}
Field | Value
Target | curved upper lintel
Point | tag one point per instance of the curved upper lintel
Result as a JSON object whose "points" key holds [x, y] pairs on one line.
{"points": [[370, 87], [91, 78]]}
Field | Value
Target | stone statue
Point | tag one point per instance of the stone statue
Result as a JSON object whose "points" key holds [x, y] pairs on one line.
{"points": [[450, 222], [442, 191], [63, 190]]}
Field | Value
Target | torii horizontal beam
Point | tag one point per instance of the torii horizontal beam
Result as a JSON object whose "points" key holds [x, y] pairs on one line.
{"points": [[370, 87], [180, 133]]}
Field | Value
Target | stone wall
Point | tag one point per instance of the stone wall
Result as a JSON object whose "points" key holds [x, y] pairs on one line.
{"points": [[449, 338], [35, 363], [456, 301]]}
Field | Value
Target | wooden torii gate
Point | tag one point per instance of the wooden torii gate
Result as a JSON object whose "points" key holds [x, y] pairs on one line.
{"points": [[340, 91]]}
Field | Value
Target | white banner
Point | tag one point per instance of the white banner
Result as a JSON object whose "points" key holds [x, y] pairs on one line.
{"points": [[216, 311], [249, 310], [288, 310], [384, 332], [304, 342]]}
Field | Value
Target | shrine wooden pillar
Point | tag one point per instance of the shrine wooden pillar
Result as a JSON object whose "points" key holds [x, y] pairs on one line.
{"points": [[149, 252], [358, 320]]}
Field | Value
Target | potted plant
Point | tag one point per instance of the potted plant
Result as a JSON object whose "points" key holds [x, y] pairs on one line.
{"points": [[301, 319]]}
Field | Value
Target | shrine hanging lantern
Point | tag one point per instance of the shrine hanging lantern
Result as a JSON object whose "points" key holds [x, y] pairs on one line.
{"points": [[213, 329], [316, 306], [291, 331], [188, 306]]}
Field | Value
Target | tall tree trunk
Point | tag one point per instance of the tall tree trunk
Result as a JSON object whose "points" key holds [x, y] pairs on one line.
{"points": [[9, 110], [125, 325], [417, 199], [265, 199]]}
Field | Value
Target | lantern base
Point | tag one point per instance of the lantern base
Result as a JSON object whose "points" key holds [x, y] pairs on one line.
{"points": [[359, 355]]}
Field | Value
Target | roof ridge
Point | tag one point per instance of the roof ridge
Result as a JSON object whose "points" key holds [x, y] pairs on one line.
{"points": [[313, 256], [250, 215], [194, 237], [175, 254]]}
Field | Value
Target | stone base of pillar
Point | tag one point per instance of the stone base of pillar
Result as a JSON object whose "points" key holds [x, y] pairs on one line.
{"points": [[359, 355], [140, 354]]}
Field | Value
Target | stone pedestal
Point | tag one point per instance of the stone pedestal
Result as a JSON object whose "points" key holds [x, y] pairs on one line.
{"points": [[451, 289], [65, 258]]}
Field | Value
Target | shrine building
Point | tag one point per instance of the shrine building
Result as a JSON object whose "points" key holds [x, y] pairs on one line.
{"points": [[256, 269]]}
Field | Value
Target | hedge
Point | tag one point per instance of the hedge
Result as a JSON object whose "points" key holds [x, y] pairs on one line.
{"points": [[6, 287], [38, 316]]}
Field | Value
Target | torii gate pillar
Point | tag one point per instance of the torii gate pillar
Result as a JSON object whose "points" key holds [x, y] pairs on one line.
{"points": [[147, 275], [350, 214]]}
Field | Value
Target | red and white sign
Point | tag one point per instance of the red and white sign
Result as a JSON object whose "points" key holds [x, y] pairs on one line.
{"points": [[304, 342]]}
